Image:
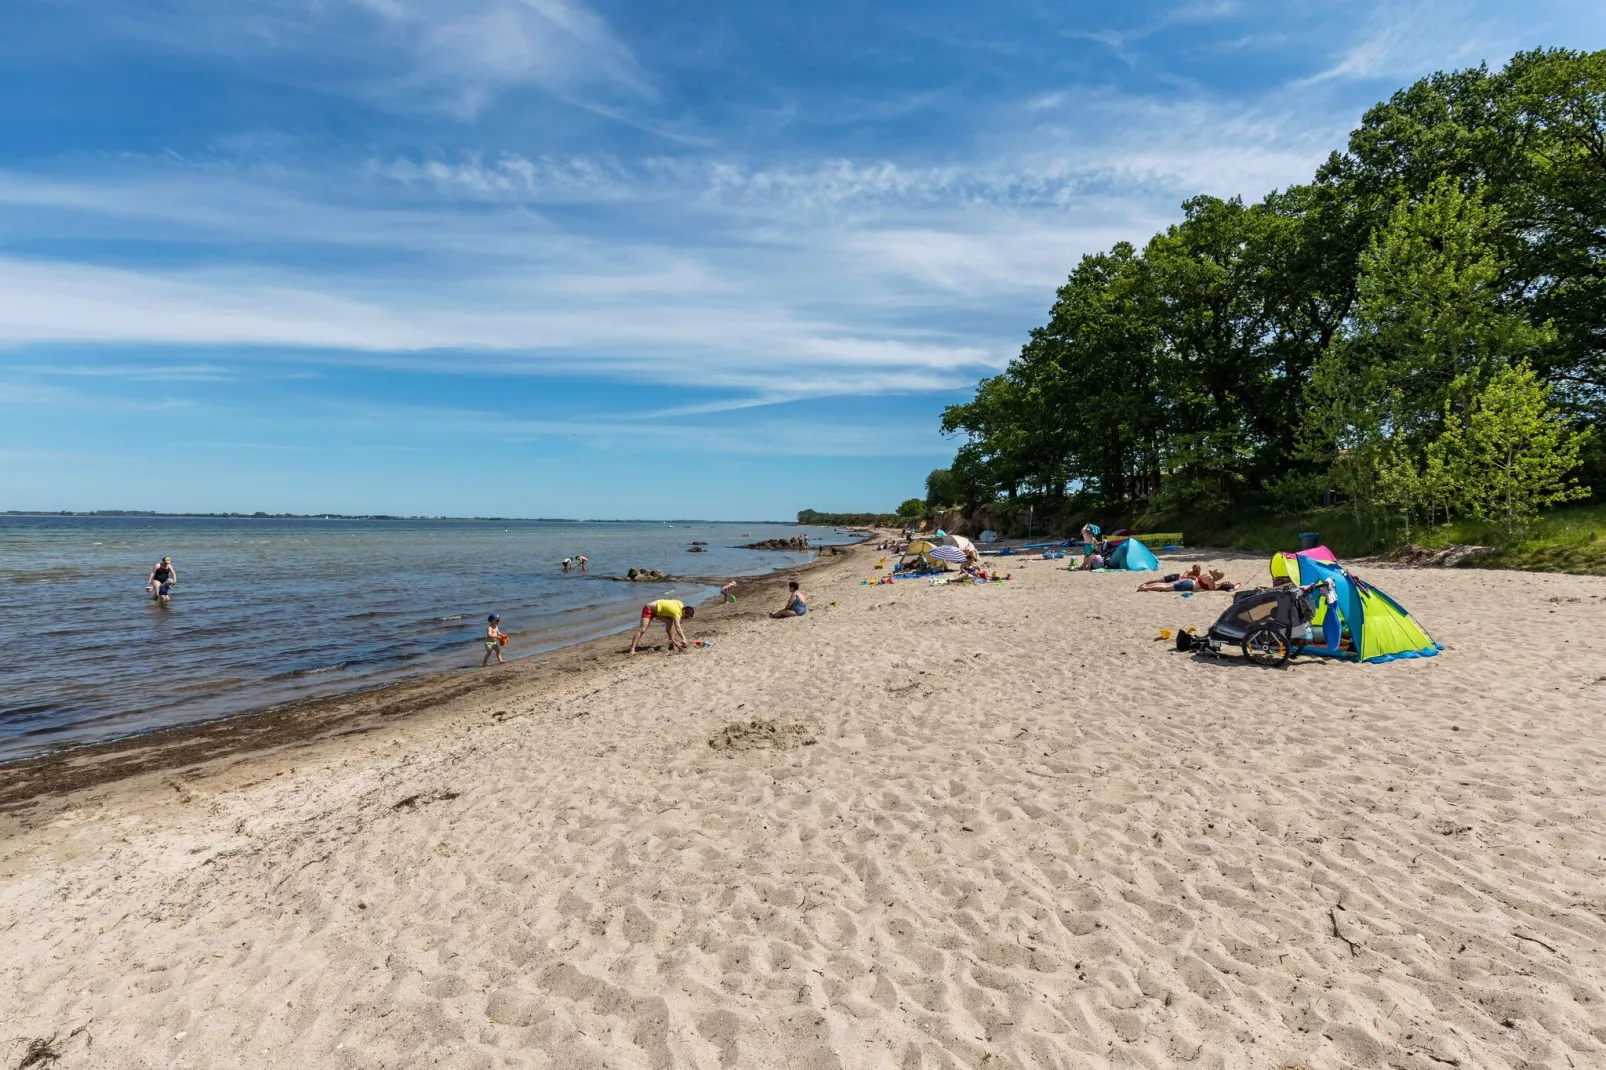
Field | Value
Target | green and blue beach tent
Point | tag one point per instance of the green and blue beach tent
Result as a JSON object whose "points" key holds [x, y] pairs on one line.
{"points": [[1376, 626], [1133, 556]]}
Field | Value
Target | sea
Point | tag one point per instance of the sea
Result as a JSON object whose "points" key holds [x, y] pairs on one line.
{"points": [[273, 611]]}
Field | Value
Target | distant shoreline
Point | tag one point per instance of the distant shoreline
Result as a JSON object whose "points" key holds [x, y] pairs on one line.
{"points": [[134, 514]]}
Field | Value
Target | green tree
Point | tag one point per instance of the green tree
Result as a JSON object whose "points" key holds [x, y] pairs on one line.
{"points": [[1430, 330], [912, 509], [1431, 324], [1516, 453], [1533, 137], [942, 490]]}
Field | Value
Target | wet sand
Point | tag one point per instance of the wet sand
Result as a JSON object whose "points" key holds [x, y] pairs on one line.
{"points": [[926, 827]]}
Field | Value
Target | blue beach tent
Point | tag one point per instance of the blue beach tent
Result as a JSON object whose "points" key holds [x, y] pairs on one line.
{"points": [[1133, 556]]}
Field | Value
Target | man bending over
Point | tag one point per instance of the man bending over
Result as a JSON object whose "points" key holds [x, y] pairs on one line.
{"points": [[669, 611]]}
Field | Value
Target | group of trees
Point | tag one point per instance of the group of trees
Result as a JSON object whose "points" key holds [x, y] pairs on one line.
{"points": [[1418, 332]]}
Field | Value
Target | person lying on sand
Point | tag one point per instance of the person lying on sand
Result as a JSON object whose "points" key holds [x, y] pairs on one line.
{"points": [[1202, 581], [795, 606], [670, 611]]}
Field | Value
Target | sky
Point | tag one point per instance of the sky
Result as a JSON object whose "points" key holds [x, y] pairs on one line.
{"points": [[608, 258]]}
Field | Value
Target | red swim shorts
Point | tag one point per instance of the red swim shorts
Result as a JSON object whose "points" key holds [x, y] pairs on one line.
{"points": [[648, 613]]}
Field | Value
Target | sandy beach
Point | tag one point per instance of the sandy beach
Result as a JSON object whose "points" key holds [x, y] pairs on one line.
{"points": [[997, 826]]}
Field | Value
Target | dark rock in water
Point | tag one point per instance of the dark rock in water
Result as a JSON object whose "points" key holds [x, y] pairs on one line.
{"points": [[695, 549], [796, 543], [698, 542]]}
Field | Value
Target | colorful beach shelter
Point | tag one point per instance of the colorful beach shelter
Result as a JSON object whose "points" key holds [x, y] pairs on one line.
{"points": [[1315, 553], [1133, 556], [1361, 623]]}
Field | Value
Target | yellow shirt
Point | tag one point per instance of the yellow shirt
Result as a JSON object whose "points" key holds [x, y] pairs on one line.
{"points": [[667, 609]]}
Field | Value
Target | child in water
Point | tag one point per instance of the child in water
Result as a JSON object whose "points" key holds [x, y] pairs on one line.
{"points": [[494, 639]]}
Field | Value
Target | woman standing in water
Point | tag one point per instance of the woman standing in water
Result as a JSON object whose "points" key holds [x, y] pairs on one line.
{"points": [[161, 580]]}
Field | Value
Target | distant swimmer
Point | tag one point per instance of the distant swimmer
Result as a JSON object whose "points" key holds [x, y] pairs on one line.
{"points": [[585, 566], [495, 640], [670, 611], [162, 579], [566, 563]]}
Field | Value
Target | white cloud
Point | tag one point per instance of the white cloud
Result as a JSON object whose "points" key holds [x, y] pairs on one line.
{"points": [[1401, 42], [448, 56]]}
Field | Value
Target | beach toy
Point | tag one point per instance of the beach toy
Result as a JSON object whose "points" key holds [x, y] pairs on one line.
{"points": [[704, 642], [1165, 633], [1187, 594], [502, 639]]}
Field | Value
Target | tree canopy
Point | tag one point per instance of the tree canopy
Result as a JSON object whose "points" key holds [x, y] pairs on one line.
{"points": [[1322, 341]]}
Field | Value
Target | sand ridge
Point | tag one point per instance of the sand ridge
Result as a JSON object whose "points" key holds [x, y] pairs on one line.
{"points": [[1026, 834]]}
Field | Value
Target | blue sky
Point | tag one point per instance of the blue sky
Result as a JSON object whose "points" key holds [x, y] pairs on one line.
{"points": [[606, 258]]}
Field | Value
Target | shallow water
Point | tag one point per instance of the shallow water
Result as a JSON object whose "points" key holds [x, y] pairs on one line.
{"points": [[269, 611]]}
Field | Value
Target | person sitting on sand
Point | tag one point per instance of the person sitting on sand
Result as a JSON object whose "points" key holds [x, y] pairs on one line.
{"points": [[161, 580], [1091, 562], [670, 611], [494, 639], [796, 606]]}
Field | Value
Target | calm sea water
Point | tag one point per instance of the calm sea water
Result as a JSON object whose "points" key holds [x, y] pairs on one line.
{"points": [[270, 611]]}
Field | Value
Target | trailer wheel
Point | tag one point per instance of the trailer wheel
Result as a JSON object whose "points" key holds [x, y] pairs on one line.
{"points": [[1267, 645]]}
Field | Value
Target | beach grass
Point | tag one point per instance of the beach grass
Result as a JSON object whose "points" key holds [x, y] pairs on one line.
{"points": [[1571, 539]]}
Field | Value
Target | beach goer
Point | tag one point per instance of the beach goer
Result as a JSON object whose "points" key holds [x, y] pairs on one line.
{"points": [[1198, 581], [669, 611], [796, 605], [1091, 562], [1192, 574], [1184, 583], [585, 566], [494, 639], [566, 563], [161, 580], [727, 592]]}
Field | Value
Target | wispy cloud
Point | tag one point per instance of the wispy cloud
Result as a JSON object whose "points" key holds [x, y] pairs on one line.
{"points": [[1405, 41], [447, 56]]}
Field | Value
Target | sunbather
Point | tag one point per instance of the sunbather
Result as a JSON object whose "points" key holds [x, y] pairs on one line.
{"points": [[1202, 581]]}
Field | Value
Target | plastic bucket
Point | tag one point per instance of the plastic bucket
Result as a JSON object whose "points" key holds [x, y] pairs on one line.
{"points": [[1309, 540]]}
